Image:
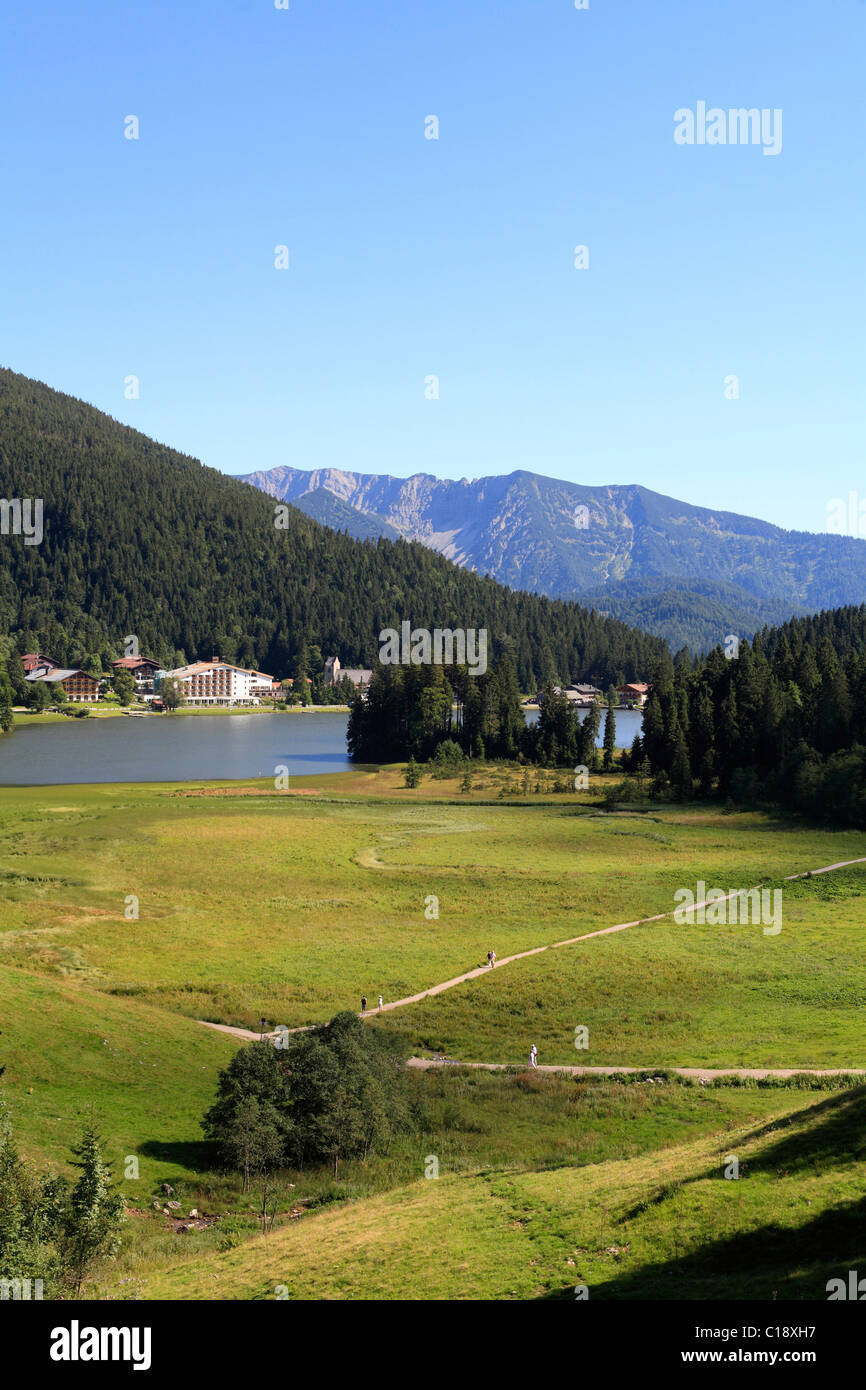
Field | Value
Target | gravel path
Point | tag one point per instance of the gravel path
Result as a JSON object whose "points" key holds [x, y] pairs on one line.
{"points": [[699, 1073]]}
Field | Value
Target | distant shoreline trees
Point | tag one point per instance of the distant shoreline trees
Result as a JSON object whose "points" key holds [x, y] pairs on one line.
{"points": [[423, 715], [781, 722]]}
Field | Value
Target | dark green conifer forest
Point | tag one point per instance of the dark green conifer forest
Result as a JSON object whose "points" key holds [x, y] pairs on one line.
{"points": [[781, 720]]}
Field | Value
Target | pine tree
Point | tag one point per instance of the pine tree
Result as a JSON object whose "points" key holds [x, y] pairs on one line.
{"points": [[95, 1213], [7, 719], [589, 731], [610, 733], [681, 769]]}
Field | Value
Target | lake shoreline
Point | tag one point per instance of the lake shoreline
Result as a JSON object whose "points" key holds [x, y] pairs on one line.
{"points": [[24, 720], [110, 748]]}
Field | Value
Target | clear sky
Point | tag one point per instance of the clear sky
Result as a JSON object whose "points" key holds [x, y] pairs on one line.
{"points": [[411, 257]]}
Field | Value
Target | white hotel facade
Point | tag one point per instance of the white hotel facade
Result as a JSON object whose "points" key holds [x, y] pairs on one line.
{"points": [[219, 683]]}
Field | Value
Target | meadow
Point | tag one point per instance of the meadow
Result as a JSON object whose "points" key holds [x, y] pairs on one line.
{"points": [[289, 906], [129, 913]]}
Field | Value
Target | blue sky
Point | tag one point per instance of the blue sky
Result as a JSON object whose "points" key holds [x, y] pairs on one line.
{"points": [[411, 257]]}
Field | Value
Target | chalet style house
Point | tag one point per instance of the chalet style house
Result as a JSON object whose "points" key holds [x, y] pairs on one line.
{"points": [[634, 693], [141, 668], [78, 686], [33, 661], [580, 695]]}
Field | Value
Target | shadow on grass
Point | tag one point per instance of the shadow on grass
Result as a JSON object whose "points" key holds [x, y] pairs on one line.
{"points": [[196, 1155], [773, 1262], [839, 1138], [789, 1263]]}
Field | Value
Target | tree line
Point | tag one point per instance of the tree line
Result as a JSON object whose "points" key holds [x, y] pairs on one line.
{"points": [[433, 712], [780, 719]]}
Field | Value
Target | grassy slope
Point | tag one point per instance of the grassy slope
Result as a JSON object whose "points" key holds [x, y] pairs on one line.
{"points": [[665, 1225], [147, 1075]]}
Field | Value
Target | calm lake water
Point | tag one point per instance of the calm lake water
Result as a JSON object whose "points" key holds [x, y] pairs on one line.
{"points": [[190, 748]]}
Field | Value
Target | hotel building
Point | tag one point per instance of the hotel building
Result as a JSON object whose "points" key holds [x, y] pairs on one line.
{"points": [[218, 682]]}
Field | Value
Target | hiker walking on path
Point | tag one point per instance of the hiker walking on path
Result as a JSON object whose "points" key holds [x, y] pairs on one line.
{"points": [[533, 1056], [491, 958], [363, 1003], [381, 1001]]}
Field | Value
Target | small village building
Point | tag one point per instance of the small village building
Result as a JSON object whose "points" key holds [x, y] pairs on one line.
{"points": [[141, 668], [78, 686], [634, 693], [580, 695], [334, 673], [34, 661]]}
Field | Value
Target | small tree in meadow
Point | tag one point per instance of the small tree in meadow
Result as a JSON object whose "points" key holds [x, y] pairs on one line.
{"points": [[90, 1228]]}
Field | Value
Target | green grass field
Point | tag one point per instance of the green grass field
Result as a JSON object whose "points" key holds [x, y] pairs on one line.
{"points": [[291, 906]]}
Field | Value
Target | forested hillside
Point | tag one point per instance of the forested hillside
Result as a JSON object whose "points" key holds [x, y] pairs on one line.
{"points": [[140, 539]]}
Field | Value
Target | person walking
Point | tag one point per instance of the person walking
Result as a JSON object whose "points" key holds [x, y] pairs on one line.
{"points": [[363, 1003], [533, 1057], [381, 1001]]}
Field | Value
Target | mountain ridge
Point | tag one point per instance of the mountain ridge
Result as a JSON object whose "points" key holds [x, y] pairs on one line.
{"points": [[524, 529]]}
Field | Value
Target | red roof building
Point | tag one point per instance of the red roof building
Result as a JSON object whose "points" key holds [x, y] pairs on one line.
{"points": [[34, 661]]}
